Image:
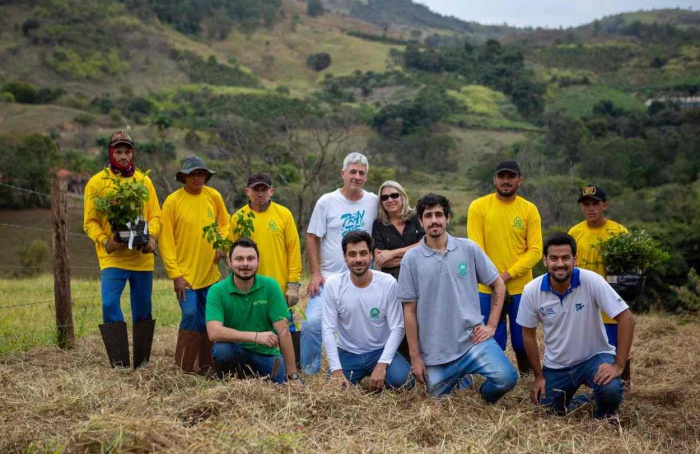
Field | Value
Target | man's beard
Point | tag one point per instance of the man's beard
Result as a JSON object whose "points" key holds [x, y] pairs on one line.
{"points": [[561, 280], [245, 278]]}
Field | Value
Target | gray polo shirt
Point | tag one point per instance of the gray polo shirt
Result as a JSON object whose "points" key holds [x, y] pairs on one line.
{"points": [[444, 286]]}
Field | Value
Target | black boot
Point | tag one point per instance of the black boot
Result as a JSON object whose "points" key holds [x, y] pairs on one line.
{"points": [[143, 339], [523, 362], [116, 342]]}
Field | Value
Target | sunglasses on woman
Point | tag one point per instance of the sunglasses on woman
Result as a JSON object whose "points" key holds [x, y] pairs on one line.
{"points": [[393, 195]]}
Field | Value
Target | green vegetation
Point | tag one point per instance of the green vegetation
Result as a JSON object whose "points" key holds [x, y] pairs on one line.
{"points": [[633, 252], [26, 162], [124, 203], [578, 101]]}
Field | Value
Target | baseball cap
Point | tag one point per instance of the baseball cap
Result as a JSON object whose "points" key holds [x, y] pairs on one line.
{"points": [[120, 137], [593, 192], [259, 178], [508, 166]]}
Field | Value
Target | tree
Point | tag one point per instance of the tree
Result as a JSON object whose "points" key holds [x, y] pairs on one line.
{"points": [[314, 8], [318, 62]]}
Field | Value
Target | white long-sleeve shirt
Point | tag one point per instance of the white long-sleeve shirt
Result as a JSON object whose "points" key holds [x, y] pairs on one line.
{"points": [[365, 319]]}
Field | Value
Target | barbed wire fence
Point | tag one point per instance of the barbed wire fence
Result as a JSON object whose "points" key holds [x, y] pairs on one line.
{"points": [[73, 243]]}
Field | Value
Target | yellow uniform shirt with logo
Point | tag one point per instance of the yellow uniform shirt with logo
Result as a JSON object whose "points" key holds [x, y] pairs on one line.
{"points": [[98, 229], [510, 233], [184, 251], [589, 257], [278, 242]]}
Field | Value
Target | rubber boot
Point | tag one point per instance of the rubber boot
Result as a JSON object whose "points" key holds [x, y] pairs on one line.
{"points": [[116, 340], [204, 359], [143, 340], [524, 365], [625, 376], [296, 342], [186, 351]]}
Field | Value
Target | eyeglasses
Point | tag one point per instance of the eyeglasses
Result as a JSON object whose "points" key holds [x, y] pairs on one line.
{"points": [[393, 195]]}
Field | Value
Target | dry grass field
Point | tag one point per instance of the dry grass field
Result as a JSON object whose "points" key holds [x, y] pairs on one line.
{"points": [[56, 401]]}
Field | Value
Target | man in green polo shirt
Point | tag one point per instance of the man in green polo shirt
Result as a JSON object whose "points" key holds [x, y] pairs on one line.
{"points": [[247, 321]]}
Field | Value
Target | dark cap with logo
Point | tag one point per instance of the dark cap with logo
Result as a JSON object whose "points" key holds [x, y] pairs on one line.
{"points": [[120, 137], [593, 192], [191, 164], [259, 178], [507, 166]]}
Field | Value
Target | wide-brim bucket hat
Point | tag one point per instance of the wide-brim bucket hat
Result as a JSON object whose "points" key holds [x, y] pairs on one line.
{"points": [[191, 164]]}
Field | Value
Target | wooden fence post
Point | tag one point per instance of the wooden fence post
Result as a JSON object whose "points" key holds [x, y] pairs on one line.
{"points": [[61, 265]]}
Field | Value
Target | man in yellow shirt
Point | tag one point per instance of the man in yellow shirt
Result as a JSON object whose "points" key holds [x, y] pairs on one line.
{"points": [[118, 263], [596, 227], [508, 229], [275, 232], [190, 260]]}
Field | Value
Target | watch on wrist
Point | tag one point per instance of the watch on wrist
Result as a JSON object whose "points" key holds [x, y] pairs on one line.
{"points": [[294, 376]]}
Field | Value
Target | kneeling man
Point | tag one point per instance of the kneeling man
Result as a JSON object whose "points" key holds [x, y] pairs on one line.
{"points": [[567, 301], [247, 320], [438, 287], [360, 305]]}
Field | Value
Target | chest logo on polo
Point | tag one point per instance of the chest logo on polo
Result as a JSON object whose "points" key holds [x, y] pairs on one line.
{"points": [[462, 269], [272, 226], [547, 312], [352, 221], [259, 302], [518, 223], [374, 313], [210, 213], [579, 306]]}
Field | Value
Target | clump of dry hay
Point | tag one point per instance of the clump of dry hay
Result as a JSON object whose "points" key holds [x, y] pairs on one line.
{"points": [[55, 401]]}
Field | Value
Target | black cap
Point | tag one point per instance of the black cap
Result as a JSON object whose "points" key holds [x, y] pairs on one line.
{"points": [[191, 164], [259, 178], [593, 192], [507, 166]]}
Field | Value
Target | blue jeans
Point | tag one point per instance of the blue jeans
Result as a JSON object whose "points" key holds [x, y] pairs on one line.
{"points": [[112, 283], [485, 359], [193, 310], [501, 336], [562, 384], [611, 331], [310, 348], [358, 366], [231, 357]]}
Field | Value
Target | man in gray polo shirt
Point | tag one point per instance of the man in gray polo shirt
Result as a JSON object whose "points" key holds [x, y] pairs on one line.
{"points": [[567, 301], [438, 287]]}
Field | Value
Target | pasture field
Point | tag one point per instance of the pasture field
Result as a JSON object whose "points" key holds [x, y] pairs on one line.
{"points": [[72, 401]]}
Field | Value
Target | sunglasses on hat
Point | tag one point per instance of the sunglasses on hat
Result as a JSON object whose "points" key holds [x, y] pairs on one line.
{"points": [[393, 195]]}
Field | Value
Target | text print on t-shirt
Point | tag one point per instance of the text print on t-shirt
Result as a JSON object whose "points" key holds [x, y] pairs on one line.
{"points": [[353, 221]]}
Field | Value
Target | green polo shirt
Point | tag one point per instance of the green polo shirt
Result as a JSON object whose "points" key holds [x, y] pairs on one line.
{"points": [[255, 311]]}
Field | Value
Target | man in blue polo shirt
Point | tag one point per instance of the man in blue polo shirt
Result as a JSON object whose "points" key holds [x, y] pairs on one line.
{"points": [[438, 288], [567, 301]]}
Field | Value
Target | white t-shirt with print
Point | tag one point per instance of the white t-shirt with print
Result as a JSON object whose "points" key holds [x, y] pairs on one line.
{"points": [[334, 216], [365, 319], [572, 324]]}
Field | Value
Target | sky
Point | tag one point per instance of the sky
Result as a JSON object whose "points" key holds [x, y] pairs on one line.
{"points": [[546, 13]]}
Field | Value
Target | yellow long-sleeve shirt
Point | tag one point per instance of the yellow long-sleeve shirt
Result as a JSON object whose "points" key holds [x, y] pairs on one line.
{"points": [[278, 243], [185, 253], [510, 233], [589, 256], [98, 228]]}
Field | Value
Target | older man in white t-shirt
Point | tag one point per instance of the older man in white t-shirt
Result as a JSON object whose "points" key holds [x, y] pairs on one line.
{"points": [[567, 301], [360, 306], [336, 213]]}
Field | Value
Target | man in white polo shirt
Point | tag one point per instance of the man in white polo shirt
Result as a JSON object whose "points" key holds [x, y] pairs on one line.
{"points": [[360, 305], [336, 213], [567, 301]]}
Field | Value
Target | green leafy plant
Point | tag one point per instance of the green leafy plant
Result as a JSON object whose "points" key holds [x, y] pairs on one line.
{"points": [[244, 224], [213, 236], [125, 202], [689, 294], [631, 253]]}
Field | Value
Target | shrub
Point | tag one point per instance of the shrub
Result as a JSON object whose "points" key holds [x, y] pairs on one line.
{"points": [[32, 257], [7, 97], [318, 62], [314, 8], [689, 295], [23, 92], [633, 252]]}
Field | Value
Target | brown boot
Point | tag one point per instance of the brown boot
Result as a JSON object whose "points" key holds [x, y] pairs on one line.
{"points": [[206, 363], [186, 350]]}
